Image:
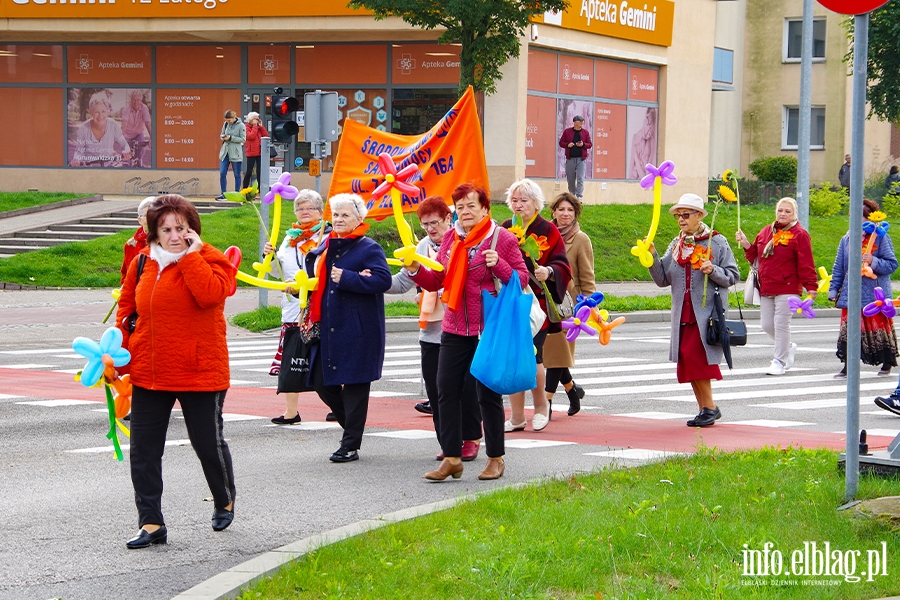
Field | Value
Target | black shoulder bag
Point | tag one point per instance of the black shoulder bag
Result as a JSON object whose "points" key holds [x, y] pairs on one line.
{"points": [[722, 331], [131, 320]]}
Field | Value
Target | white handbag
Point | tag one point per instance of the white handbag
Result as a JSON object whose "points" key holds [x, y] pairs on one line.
{"points": [[751, 287], [537, 315]]}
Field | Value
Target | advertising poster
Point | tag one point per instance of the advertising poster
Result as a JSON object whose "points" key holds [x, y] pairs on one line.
{"points": [[541, 141], [109, 127], [642, 130], [566, 109], [189, 123], [609, 141]]}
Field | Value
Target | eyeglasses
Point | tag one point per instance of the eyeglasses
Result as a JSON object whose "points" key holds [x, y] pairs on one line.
{"points": [[430, 224], [683, 215], [305, 209]]}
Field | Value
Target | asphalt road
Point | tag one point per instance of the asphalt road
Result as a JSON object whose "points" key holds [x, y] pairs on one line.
{"points": [[66, 506]]}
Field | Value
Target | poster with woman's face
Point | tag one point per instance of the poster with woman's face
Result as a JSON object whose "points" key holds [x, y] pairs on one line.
{"points": [[566, 109], [641, 137], [109, 127]]}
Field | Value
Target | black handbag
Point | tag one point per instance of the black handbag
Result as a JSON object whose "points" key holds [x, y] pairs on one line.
{"points": [[722, 330], [296, 355]]}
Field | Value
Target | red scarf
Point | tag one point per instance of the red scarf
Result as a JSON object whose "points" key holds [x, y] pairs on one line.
{"points": [[455, 279], [306, 233], [315, 301]]}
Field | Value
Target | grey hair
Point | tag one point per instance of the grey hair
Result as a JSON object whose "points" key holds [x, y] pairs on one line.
{"points": [[530, 190], [311, 196], [98, 98], [358, 204], [134, 93], [791, 201], [144, 206]]}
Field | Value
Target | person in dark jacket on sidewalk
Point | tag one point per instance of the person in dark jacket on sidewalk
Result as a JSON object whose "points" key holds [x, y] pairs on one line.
{"points": [[576, 141], [348, 307], [783, 252], [844, 173]]}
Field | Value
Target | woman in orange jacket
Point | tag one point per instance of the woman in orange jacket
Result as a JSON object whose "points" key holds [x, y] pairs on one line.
{"points": [[171, 313]]}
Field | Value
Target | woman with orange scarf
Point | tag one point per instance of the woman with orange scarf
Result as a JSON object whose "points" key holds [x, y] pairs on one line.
{"points": [[308, 233], [473, 252], [783, 252], [346, 313]]}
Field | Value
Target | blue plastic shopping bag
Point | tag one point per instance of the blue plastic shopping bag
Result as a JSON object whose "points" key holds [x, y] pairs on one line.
{"points": [[504, 360]]}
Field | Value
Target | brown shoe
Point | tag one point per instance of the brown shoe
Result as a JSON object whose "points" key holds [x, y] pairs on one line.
{"points": [[494, 469], [446, 469]]}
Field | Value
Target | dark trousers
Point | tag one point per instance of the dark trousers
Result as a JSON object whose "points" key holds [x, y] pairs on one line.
{"points": [[150, 412], [252, 161], [556, 376], [471, 420], [454, 363], [348, 402]]}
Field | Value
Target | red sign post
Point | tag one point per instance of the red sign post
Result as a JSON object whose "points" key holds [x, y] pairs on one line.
{"points": [[852, 7]]}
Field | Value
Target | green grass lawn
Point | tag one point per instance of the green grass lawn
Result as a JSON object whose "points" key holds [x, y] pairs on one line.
{"points": [[16, 200], [612, 228], [669, 530]]}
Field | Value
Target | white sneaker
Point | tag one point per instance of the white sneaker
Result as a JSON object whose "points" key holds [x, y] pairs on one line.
{"points": [[791, 354], [776, 368]]}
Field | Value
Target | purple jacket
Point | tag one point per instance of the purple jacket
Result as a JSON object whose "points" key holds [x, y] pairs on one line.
{"points": [[568, 135], [467, 320]]}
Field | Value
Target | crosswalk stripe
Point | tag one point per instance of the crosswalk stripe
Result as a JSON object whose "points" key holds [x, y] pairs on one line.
{"points": [[810, 404], [28, 366], [55, 403], [109, 448], [783, 382], [769, 423], [662, 416], [808, 391]]}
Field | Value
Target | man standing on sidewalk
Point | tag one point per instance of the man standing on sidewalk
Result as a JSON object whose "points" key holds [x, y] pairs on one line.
{"points": [[844, 173], [576, 142]]}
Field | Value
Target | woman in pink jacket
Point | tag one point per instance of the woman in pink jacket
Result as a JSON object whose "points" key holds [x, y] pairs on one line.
{"points": [[470, 264], [784, 254]]}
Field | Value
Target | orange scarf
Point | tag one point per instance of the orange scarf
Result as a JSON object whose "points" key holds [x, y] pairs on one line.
{"points": [[303, 237], [315, 301], [455, 280]]}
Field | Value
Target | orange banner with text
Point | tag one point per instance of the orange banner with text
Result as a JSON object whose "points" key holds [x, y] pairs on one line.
{"points": [[448, 154], [144, 9]]}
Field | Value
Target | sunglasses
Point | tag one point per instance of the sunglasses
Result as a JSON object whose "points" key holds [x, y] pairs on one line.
{"points": [[683, 215]]}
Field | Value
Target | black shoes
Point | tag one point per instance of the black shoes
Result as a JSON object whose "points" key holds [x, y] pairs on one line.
{"points": [[891, 403], [344, 455], [282, 421], [575, 395], [330, 417], [424, 407], [705, 418], [222, 518], [145, 539]]}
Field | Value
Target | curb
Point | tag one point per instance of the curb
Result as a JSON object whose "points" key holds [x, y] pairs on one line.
{"points": [[230, 583], [18, 212]]}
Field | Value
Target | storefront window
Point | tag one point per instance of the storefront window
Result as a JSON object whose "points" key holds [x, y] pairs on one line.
{"points": [[360, 64], [31, 64], [126, 65], [208, 65], [34, 129], [416, 111], [269, 65], [188, 124], [109, 127]]}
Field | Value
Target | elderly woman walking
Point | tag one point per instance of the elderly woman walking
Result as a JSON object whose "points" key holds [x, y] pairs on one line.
{"points": [[347, 308], [783, 252], [551, 271], [877, 336], [686, 266], [473, 252]]}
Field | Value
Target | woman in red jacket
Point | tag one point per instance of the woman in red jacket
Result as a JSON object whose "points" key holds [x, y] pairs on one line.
{"points": [[255, 132], [784, 252], [172, 318]]}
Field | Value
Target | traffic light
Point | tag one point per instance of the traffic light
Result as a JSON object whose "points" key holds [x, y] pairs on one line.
{"points": [[284, 123]]}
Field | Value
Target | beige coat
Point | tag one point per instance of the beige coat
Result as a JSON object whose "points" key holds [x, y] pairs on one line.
{"points": [[559, 353]]}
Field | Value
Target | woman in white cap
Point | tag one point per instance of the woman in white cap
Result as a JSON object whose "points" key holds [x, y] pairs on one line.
{"points": [[685, 266]]}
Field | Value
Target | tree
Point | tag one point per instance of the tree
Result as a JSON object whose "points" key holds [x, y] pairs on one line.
{"points": [[884, 57], [488, 30]]}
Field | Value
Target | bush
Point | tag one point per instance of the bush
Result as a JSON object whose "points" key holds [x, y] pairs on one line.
{"points": [[827, 201], [782, 169], [890, 204]]}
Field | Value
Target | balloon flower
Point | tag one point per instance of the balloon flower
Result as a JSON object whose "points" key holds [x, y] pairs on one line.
{"points": [[102, 358], [824, 282], [578, 324], [115, 296], [600, 320], [397, 183], [654, 178], [802, 307], [875, 227], [302, 282], [880, 305], [280, 190], [593, 300]]}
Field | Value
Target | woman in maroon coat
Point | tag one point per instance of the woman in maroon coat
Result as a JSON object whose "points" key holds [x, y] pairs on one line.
{"points": [[784, 254], [526, 200]]}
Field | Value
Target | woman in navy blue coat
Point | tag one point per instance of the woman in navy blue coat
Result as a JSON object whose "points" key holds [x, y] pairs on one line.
{"points": [[348, 308]]}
